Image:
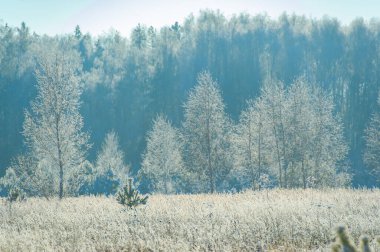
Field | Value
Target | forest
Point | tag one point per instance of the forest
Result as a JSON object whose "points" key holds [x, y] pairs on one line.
{"points": [[210, 104]]}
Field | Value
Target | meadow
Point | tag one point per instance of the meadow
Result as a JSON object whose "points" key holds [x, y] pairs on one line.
{"points": [[267, 220]]}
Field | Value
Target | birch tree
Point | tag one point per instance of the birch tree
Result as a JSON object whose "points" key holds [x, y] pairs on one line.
{"points": [[250, 146], [53, 126], [328, 146], [299, 135], [162, 161], [273, 96], [303, 138], [206, 131]]}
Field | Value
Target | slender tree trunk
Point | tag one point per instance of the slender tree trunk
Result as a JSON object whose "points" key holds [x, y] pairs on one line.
{"points": [[209, 163], [60, 162], [285, 167], [277, 146], [166, 183], [60, 180], [291, 175], [211, 173], [166, 187], [166, 179], [250, 155], [278, 155], [259, 151], [303, 173]]}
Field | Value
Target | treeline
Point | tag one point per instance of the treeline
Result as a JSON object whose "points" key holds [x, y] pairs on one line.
{"points": [[128, 81], [287, 138]]}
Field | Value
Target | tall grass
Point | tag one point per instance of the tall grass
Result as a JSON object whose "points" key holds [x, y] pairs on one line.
{"points": [[288, 220]]}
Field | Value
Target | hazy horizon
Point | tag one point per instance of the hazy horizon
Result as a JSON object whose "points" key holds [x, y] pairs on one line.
{"points": [[97, 16]]}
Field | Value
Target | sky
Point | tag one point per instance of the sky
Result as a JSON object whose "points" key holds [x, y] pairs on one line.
{"points": [[98, 16]]}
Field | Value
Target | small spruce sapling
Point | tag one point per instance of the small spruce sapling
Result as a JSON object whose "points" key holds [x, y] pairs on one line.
{"points": [[130, 197], [364, 244], [344, 243]]}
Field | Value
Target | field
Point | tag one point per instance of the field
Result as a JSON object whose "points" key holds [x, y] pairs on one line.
{"points": [[284, 220]]}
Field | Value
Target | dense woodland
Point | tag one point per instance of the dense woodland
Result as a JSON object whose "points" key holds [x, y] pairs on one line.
{"points": [[132, 87]]}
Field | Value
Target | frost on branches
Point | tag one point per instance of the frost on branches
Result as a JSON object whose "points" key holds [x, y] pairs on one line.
{"points": [[206, 132], [53, 125], [162, 161]]}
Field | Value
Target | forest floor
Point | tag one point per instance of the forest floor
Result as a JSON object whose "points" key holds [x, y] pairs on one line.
{"points": [[282, 220]]}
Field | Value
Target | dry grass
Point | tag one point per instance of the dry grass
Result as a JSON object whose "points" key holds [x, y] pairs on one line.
{"points": [[291, 220]]}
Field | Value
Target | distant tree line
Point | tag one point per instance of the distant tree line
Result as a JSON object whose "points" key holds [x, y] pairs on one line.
{"points": [[126, 82]]}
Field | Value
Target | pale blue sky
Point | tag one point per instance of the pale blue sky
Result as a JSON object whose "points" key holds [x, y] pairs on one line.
{"points": [[96, 16]]}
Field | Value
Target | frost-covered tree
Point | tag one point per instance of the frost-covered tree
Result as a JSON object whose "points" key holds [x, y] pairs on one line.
{"points": [[162, 161], [206, 132], [305, 136], [299, 134], [53, 126], [328, 147], [372, 137], [273, 96], [250, 147], [21, 174], [110, 170]]}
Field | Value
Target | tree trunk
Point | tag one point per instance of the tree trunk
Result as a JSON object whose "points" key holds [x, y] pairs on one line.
{"points": [[60, 180], [278, 156], [303, 174], [209, 163], [259, 152], [60, 162], [285, 167], [250, 155]]}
